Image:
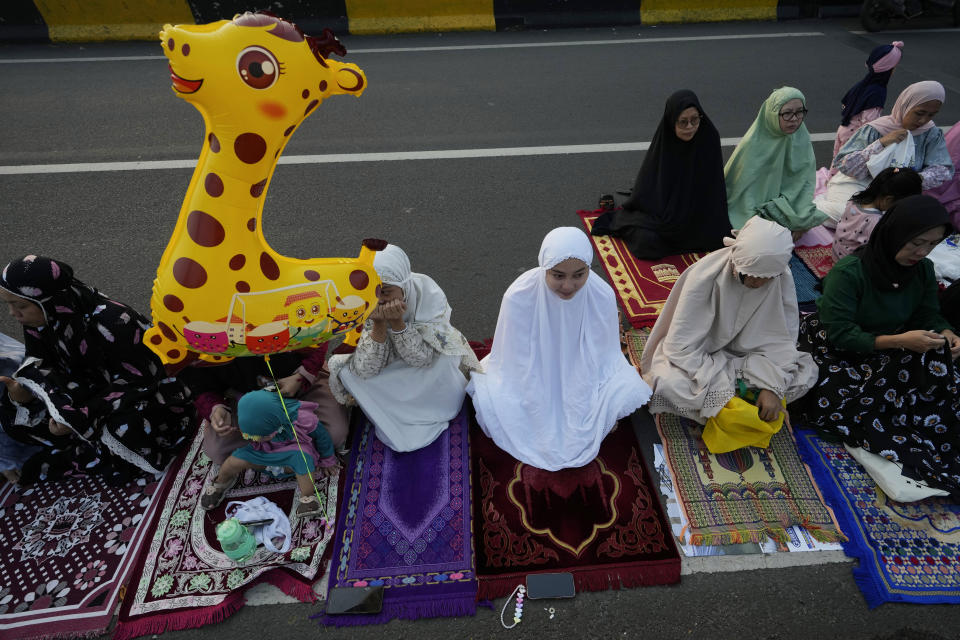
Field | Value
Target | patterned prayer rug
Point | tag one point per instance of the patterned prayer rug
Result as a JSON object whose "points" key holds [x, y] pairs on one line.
{"points": [[642, 286], [908, 552], [406, 525], [184, 580], [818, 258], [68, 551], [636, 340], [745, 495], [602, 522]]}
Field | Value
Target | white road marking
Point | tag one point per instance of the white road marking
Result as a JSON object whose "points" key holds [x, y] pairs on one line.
{"points": [[917, 31], [466, 47], [389, 156], [593, 43]]}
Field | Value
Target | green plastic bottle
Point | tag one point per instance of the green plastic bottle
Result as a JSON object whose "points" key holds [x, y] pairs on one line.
{"points": [[236, 540]]}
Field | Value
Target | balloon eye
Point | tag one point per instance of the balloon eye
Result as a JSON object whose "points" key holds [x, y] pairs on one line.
{"points": [[301, 312], [257, 67], [315, 309]]}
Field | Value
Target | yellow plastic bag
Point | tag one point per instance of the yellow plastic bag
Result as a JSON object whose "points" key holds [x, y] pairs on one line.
{"points": [[739, 425]]}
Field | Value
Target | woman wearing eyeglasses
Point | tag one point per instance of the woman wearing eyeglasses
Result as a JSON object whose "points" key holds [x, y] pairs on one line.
{"points": [[679, 200], [912, 115], [772, 172]]}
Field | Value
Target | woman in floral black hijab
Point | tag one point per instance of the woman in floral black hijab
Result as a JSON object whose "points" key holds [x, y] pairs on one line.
{"points": [[888, 382], [89, 391]]}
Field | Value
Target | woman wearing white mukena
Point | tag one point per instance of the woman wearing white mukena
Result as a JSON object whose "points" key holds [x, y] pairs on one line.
{"points": [[408, 371], [555, 382]]}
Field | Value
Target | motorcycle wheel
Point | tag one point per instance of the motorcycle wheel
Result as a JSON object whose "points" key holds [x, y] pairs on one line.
{"points": [[873, 15]]}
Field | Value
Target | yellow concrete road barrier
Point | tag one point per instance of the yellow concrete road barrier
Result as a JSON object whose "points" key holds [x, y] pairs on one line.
{"points": [[96, 20], [390, 16], [659, 11]]}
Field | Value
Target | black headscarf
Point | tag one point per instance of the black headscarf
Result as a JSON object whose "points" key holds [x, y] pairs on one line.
{"points": [[871, 91], [903, 222], [680, 187]]}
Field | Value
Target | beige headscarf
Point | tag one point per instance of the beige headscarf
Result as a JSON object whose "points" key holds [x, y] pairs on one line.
{"points": [[714, 329]]}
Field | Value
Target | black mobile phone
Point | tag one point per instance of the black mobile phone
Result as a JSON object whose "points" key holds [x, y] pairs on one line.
{"points": [[550, 585], [256, 523], [354, 600]]}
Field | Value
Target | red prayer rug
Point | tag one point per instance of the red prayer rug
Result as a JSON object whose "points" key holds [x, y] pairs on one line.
{"points": [[602, 522], [184, 580], [642, 286], [69, 548], [818, 258]]}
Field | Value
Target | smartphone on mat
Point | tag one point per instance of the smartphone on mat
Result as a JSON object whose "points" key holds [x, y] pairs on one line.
{"points": [[550, 585], [355, 600]]}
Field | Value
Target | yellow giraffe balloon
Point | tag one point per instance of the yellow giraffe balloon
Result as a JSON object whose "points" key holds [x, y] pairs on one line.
{"points": [[220, 290]]}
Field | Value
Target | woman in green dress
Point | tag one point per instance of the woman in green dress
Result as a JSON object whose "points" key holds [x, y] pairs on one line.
{"points": [[886, 355]]}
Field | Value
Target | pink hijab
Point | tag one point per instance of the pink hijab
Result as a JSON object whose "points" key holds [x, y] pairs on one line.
{"points": [[890, 60], [917, 93]]}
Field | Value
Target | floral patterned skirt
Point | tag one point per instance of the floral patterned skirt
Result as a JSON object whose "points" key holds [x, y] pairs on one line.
{"points": [[898, 404]]}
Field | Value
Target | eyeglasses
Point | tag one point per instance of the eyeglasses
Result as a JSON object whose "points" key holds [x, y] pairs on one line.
{"points": [[790, 116], [692, 122]]}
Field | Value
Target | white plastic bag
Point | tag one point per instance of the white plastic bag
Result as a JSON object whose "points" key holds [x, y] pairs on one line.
{"points": [[946, 259], [900, 154], [262, 509], [889, 477]]}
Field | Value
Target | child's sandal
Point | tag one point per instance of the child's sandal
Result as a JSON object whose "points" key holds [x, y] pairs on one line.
{"points": [[214, 493], [308, 506]]}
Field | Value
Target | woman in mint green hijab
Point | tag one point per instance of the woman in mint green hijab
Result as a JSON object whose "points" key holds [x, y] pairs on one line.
{"points": [[772, 172]]}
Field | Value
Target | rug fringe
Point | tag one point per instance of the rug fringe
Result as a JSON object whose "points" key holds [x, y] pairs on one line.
{"points": [[68, 635], [290, 585], [497, 587], [449, 607], [190, 619]]}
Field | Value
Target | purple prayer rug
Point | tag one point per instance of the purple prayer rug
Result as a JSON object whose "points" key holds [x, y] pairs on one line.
{"points": [[405, 524], [68, 550]]}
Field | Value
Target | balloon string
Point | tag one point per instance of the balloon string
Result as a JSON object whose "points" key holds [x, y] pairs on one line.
{"points": [[276, 386]]}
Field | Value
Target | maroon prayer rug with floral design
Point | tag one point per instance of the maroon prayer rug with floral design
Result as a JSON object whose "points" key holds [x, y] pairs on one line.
{"points": [[68, 550], [184, 580], [602, 522]]}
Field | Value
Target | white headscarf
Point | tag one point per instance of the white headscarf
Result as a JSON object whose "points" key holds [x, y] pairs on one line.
{"points": [[556, 381], [714, 329], [427, 309]]}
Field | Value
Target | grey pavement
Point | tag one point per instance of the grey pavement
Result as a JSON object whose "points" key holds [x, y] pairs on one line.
{"points": [[473, 224]]}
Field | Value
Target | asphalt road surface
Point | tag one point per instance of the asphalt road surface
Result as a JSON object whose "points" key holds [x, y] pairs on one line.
{"points": [[514, 131]]}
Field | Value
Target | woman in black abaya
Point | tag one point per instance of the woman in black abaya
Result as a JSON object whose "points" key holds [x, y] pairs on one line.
{"points": [[679, 201]]}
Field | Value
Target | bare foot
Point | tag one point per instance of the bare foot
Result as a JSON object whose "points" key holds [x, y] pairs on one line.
{"points": [[12, 475], [330, 472]]}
